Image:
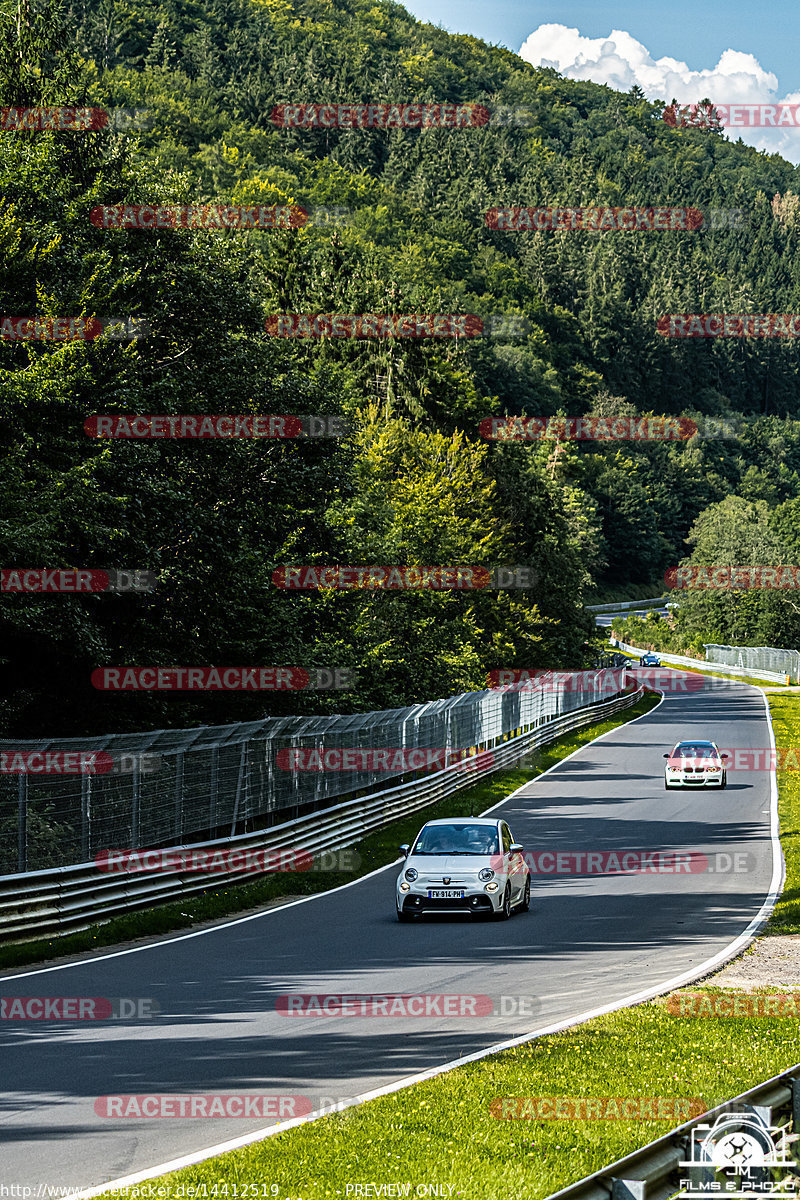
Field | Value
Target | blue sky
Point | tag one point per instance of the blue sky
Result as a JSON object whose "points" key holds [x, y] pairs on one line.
{"points": [[764, 67], [695, 32]]}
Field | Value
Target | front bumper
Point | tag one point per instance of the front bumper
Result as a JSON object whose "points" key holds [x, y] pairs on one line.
{"points": [[695, 779], [472, 902]]}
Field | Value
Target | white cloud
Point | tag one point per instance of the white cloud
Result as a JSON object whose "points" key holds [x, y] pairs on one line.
{"points": [[620, 62]]}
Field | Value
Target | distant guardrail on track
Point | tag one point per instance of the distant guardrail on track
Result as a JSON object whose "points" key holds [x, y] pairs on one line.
{"points": [[700, 663], [628, 605]]}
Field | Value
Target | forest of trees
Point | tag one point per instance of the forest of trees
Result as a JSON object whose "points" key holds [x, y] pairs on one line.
{"points": [[413, 482]]}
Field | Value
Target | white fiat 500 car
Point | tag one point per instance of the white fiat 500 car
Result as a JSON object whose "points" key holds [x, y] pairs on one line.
{"points": [[695, 764], [467, 865]]}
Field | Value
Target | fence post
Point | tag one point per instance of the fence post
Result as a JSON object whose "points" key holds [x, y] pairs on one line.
{"points": [[86, 816], [178, 796], [212, 803], [22, 823], [136, 802], [240, 783]]}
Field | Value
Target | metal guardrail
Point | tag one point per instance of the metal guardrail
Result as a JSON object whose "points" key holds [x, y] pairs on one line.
{"points": [[68, 899], [700, 663], [653, 1173], [628, 605], [606, 658], [172, 786]]}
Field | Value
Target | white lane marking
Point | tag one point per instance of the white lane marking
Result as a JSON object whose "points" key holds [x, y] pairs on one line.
{"points": [[561, 761], [182, 937], [689, 976]]}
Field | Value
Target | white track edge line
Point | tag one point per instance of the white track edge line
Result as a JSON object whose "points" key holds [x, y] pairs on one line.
{"points": [[695, 973], [182, 937]]}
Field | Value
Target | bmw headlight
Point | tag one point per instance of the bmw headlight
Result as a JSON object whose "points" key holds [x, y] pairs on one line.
{"points": [[486, 873], [411, 874]]}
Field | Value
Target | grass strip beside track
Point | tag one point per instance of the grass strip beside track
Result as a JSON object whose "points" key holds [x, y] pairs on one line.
{"points": [[785, 711], [375, 851], [759, 683], [442, 1131]]}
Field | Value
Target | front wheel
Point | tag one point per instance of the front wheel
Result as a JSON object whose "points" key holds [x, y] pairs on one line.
{"points": [[525, 902], [404, 918], [505, 912], [724, 782]]}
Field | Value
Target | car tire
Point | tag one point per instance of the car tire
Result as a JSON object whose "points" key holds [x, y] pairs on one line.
{"points": [[505, 911], [525, 903], [724, 781], [405, 918]]}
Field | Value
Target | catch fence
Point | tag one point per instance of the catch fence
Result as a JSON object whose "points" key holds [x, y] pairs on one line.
{"points": [[757, 658], [170, 787]]}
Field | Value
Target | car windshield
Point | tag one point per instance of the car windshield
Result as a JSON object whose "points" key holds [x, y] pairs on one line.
{"points": [[457, 839], [694, 751]]}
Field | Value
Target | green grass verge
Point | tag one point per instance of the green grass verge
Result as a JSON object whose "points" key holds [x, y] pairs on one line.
{"points": [[760, 683], [374, 851], [442, 1131], [785, 712]]}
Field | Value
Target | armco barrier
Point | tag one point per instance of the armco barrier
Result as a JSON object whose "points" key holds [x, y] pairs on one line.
{"points": [[699, 663], [628, 605], [655, 1171], [169, 787], [67, 899]]}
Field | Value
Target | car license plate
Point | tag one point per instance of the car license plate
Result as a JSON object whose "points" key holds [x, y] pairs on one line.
{"points": [[445, 894]]}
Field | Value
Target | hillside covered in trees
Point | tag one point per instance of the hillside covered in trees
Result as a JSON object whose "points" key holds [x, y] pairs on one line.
{"points": [[398, 226]]}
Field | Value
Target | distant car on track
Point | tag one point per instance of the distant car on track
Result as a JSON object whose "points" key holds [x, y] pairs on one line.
{"points": [[468, 865], [649, 660], [695, 764]]}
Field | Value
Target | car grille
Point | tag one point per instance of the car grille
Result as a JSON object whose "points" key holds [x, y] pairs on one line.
{"points": [[476, 903]]}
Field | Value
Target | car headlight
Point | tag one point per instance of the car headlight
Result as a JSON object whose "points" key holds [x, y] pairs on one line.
{"points": [[405, 887], [411, 874], [486, 873], [491, 887], [718, 767]]}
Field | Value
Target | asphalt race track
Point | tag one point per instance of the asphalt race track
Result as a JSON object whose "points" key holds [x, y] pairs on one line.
{"points": [[589, 940]]}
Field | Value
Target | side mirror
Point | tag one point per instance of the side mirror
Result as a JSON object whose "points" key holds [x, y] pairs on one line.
{"points": [[516, 847], [724, 755], [404, 849], [666, 756]]}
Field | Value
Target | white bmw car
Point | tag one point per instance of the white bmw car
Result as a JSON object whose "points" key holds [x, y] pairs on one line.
{"points": [[695, 764], [467, 865]]}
